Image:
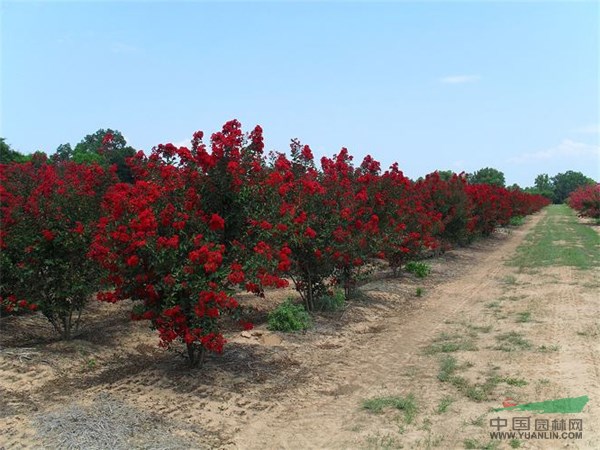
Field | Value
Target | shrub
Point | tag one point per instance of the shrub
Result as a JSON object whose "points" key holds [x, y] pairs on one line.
{"points": [[419, 269], [332, 301], [289, 317]]}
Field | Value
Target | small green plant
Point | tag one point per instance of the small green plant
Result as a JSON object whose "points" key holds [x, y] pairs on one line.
{"points": [[289, 317], [406, 404], [519, 382], [331, 302], [419, 269], [444, 404], [516, 221], [91, 364], [548, 348], [510, 280], [420, 291], [448, 366], [448, 343], [524, 317], [514, 443], [512, 341]]}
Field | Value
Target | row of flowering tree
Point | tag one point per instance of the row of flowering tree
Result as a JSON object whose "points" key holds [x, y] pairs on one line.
{"points": [[198, 224]]}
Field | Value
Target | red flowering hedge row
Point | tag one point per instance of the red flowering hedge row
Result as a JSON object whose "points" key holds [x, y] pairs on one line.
{"points": [[201, 222], [586, 201]]}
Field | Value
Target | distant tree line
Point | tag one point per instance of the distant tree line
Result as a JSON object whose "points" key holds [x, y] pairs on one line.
{"points": [[556, 188], [105, 147]]}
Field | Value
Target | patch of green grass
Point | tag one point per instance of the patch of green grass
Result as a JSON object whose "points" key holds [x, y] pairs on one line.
{"points": [[448, 366], [331, 302], [475, 391], [592, 331], [478, 421], [383, 442], [548, 348], [448, 343], [514, 443], [420, 269], [517, 221], [512, 341], [289, 317], [524, 317], [444, 404], [559, 239], [519, 382], [480, 329], [475, 444], [509, 279], [419, 292], [494, 304], [406, 404]]}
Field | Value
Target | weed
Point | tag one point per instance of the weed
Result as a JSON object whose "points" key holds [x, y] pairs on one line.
{"points": [[406, 404], [448, 366], [384, 442], [480, 329], [419, 292], [289, 317], [514, 443], [420, 269], [512, 341], [519, 382], [548, 348], [592, 331], [524, 317], [331, 302], [517, 221], [448, 343], [444, 404], [509, 279]]}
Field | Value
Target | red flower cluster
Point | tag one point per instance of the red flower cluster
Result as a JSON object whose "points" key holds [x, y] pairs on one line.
{"points": [[586, 201]]}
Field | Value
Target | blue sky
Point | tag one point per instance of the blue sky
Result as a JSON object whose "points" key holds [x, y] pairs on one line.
{"points": [[459, 85]]}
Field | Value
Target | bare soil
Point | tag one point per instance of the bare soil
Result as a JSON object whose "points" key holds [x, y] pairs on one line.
{"points": [[113, 387]]}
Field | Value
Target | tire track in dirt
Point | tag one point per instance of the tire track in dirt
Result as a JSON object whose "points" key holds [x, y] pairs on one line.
{"points": [[314, 420]]}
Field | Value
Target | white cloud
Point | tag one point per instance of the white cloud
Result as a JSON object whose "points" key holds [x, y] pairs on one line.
{"points": [[121, 47], [458, 79], [590, 129], [566, 149]]}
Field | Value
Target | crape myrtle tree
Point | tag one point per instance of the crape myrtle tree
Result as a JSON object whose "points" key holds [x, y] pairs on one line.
{"points": [[586, 200], [48, 217], [177, 240], [407, 225]]}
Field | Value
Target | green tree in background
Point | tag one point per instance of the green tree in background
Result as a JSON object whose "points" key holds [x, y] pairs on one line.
{"points": [[8, 154], [565, 183], [487, 175], [105, 147]]}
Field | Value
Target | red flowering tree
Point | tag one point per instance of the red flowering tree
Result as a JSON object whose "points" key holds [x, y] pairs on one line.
{"points": [[407, 225], [586, 201], [48, 216], [177, 239], [448, 198]]}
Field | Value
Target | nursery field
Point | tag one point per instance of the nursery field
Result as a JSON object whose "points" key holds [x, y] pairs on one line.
{"points": [[510, 319]]}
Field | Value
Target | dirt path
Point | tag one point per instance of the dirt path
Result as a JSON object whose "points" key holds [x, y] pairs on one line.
{"points": [[487, 296], [482, 332]]}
